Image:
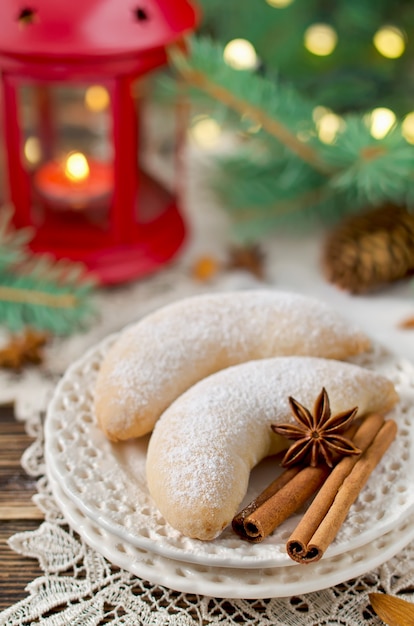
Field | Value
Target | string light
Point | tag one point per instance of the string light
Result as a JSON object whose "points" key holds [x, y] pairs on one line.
{"points": [[407, 127], [279, 4], [318, 112], [320, 39], [32, 150], [96, 98], [329, 125], [390, 42], [205, 131], [381, 122], [240, 54]]}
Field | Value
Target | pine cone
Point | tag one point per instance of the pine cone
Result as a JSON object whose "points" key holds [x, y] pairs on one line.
{"points": [[368, 251]]}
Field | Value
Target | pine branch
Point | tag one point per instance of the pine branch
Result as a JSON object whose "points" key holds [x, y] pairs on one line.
{"points": [[263, 181], [36, 290], [29, 301], [353, 77], [12, 242], [277, 176], [299, 213], [270, 106], [36, 297], [372, 171]]}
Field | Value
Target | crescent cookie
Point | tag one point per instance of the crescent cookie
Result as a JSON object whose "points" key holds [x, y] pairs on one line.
{"points": [[158, 358], [204, 446]]}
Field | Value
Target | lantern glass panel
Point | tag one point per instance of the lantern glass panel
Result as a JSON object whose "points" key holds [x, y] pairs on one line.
{"points": [[67, 153], [157, 153], [3, 168]]}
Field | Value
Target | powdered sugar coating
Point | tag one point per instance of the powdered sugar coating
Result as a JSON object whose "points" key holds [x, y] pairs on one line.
{"points": [[205, 444], [157, 359]]}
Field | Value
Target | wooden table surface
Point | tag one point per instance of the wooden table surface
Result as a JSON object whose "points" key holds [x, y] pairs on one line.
{"points": [[17, 511]]}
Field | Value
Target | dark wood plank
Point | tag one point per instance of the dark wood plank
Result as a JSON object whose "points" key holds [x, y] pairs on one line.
{"points": [[17, 511], [15, 570]]}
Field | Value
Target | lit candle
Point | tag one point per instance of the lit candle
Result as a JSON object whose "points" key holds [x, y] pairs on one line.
{"points": [[75, 183]]}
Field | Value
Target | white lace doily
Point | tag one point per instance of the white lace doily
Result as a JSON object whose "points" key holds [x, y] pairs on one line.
{"points": [[108, 481]]}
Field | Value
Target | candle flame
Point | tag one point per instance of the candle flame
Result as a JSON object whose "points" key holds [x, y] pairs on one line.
{"points": [[76, 167]]}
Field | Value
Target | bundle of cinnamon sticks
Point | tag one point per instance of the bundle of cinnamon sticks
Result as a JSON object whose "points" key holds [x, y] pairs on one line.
{"points": [[336, 490]]}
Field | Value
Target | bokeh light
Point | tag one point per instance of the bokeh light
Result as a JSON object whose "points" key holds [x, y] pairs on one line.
{"points": [[320, 39], [390, 42], [407, 127], [96, 98], [381, 122], [240, 54], [32, 150], [205, 131], [279, 4], [328, 125]]}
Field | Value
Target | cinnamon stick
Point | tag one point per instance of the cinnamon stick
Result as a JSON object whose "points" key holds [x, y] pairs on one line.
{"points": [[258, 523], [298, 542], [280, 499], [326, 514], [274, 487]]}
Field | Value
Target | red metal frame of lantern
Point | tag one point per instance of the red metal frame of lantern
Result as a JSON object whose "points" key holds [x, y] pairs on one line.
{"points": [[110, 42]]}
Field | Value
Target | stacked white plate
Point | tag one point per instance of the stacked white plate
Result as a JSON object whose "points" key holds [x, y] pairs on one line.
{"points": [[101, 489]]}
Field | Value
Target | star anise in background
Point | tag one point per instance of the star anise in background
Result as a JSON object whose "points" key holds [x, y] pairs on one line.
{"points": [[407, 324], [316, 435], [250, 258], [23, 349]]}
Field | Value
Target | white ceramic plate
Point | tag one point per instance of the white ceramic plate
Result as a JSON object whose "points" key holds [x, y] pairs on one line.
{"points": [[226, 582], [107, 481]]}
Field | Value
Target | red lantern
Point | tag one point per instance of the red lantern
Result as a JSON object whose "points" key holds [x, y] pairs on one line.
{"points": [[74, 169]]}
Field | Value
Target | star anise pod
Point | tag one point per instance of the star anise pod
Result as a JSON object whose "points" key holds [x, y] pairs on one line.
{"points": [[23, 349], [250, 258], [407, 323], [316, 435]]}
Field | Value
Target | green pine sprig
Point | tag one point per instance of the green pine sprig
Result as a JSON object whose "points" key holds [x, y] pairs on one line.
{"points": [[284, 173], [354, 77], [12, 242], [275, 107], [38, 291], [372, 171]]}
